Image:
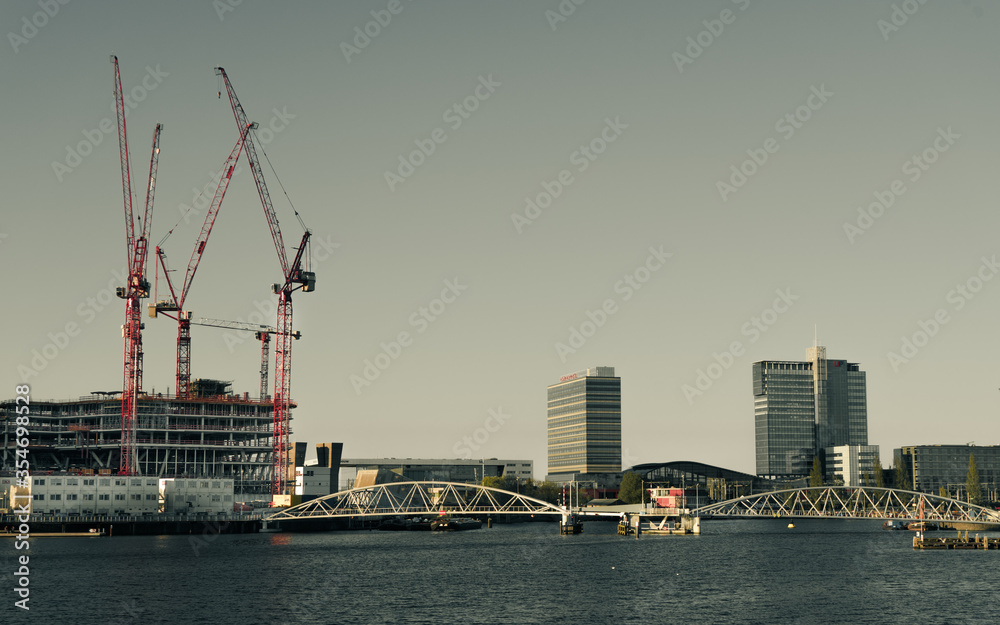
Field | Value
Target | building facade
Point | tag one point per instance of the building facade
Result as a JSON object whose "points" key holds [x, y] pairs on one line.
{"points": [[585, 423], [802, 408], [935, 467], [852, 465], [444, 470], [213, 433]]}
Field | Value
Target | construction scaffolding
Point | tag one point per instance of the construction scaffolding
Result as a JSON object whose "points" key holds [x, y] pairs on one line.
{"points": [[222, 435]]}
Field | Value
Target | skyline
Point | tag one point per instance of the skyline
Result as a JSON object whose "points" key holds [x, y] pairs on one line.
{"points": [[500, 195]]}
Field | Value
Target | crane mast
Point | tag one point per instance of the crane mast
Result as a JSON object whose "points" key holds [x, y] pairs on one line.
{"points": [[292, 275], [137, 286]]}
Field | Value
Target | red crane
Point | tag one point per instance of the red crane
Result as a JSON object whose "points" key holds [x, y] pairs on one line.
{"points": [[294, 278], [178, 297], [137, 286]]}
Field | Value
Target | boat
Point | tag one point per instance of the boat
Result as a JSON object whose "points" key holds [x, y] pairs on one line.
{"points": [[93, 533], [894, 525], [448, 523], [403, 524], [921, 526]]}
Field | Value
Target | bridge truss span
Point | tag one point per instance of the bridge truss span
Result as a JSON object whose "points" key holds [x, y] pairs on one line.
{"points": [[862, 502], [416, 499]]}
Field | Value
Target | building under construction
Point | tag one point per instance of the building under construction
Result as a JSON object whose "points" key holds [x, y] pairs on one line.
{"points": [[210, 433]]}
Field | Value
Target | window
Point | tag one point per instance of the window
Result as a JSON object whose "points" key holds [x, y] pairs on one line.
{"points": [[88, 497], [137, 482], [72, 482], [119, 497], [88, 482], [56, 482], [150, 497], [71, 497], [38, 497], [136, 497], [104, 497], [215, 484], [105, 482], [204, 484], [55, 497], [119, 482], [39, 482]]}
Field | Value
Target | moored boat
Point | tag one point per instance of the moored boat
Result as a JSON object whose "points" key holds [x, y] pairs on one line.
{"points": [[446, 523]]}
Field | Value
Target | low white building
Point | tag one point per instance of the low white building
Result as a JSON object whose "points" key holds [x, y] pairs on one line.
{"points": [[196, 495], [312, 481], [94, 494], [118, 495]]}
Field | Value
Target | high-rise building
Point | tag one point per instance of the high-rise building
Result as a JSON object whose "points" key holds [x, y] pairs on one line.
{"points": [[585, 423], [804, 407]]}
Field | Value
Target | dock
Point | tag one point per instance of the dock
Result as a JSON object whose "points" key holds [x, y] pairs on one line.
{"points": [[659, 525], [921, 541]]}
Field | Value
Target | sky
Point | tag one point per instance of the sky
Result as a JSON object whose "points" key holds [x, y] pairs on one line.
{"points": [[502, 193]]}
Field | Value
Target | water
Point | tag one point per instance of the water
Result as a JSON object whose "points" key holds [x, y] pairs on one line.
{"points": [[821, 572]]}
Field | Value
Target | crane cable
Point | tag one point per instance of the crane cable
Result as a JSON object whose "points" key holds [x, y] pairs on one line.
{"points": [[261, 146]]}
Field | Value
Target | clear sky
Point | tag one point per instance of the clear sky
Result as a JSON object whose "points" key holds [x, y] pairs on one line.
{"points": [[695, 173]]}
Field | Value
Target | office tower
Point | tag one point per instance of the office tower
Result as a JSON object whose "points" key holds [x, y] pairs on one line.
{"points": [[804, 407], [585, 423]]}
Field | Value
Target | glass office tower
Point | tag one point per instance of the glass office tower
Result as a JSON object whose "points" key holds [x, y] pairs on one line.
{"points": [[585, 423], [803, 407]]}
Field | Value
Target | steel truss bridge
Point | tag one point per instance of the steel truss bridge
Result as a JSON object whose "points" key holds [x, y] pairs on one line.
{"points": [[833, 502], [417, 498], [840, 502]]}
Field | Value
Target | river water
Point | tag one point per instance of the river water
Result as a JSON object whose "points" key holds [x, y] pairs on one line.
{"points": [[821, 572]]}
